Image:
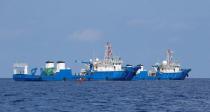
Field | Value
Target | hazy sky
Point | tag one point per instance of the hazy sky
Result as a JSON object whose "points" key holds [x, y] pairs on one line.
{"points": [[140, 31]]}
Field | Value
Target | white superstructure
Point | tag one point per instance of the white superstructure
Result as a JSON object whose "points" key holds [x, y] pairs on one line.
{"points": [[168, 65], [109, 63], [113, 64], [20, 68]]}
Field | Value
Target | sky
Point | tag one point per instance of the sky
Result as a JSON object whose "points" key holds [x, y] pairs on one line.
{"points": [[34, 31]]}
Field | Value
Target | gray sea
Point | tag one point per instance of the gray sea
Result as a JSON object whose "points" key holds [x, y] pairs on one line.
{"points": [[191, 95]]}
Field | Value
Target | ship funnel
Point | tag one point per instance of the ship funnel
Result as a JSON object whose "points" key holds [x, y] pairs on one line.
{"points": [[61, 65]]}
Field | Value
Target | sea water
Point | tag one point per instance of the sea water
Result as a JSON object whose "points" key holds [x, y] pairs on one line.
{"points": [[191, 95]]}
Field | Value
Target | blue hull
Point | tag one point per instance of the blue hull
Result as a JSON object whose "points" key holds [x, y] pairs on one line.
{"points": [[117, 75], [67, 75], [144, 75], [23, 77], [121, 75], [62, 75], [127, 74]]}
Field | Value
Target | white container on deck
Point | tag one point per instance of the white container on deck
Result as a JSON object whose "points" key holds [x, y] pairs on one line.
{"points": [[61, 65], [50, 64]]}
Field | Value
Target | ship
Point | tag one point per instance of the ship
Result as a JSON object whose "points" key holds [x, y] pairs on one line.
{"points": [[109, 68], [51, 72], [167, 70]]}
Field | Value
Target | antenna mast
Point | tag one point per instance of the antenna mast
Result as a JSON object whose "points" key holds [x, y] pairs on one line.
{"points": [[169, 56], [108, 51]]}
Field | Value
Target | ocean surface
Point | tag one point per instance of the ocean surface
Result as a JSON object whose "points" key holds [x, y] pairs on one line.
{"points": [[191, 95]]}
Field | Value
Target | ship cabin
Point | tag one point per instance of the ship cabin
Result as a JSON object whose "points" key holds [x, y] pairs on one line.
{"points": [[113, 64], [20, 68], [166, 67]]}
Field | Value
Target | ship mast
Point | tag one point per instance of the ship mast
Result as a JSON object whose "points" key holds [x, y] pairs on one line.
{"points": [[108, 51], [169, 56]]}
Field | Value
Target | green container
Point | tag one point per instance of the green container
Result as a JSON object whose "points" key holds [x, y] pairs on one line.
{"points": [[49, 71]]}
